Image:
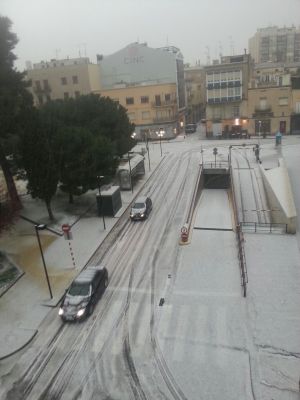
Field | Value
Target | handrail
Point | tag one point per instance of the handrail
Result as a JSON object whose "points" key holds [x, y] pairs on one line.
{"points": [[265, 226], [240, 240]]}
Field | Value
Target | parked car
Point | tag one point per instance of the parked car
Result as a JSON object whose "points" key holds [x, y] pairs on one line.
{"points": [[141, 208], [190, 128], [82, 296]]}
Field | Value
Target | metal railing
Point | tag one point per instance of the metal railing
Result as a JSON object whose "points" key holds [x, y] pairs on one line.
{"points": [[218, 165], [264, 227], [240, 241]]}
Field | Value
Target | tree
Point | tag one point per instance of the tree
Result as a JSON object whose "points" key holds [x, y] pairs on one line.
{"points": [[93, 132], [40, 158], [83, 158], [15, 103]]}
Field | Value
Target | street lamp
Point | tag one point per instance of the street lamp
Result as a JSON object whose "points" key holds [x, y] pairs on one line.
{"points": [[38, 228], [147, 147], [101, 199], [259, 127], [160, 134], [130, 171]]}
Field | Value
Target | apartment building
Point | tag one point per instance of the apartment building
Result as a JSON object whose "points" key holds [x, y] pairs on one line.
{"points": [[149, 83], [150, 107], [295, 104], [195, 92], [62, 79], [227, 95], [275, 45], [272, 99]]}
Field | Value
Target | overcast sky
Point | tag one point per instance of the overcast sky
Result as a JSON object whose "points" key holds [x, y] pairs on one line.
{"points": [[59, 28]]}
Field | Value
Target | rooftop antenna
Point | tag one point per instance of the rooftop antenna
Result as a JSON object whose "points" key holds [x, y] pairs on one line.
{"points": [[84, 49], [56, 53], [220, 50], [207, 55], [231, 44]]}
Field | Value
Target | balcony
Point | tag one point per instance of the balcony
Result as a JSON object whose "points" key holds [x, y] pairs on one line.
{"points": [[42, 90], [263, 109], [167, 119], [169, 103]]}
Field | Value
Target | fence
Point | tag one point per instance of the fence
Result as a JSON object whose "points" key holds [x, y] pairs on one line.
{"points": [[240, 241], [263, 227]]}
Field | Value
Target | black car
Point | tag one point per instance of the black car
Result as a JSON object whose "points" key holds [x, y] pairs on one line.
{"points": [[190, 128], [141, 208], [83, 294]]}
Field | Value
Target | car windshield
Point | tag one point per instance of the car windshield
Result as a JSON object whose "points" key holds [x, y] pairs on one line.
{"points": [[139, 205], [79, 289]]}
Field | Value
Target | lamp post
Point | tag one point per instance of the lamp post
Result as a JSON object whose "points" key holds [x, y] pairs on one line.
{"points": [[147, 147], [259, 128], [130, 172], [101, 200], [37, 229], [160, 134]]}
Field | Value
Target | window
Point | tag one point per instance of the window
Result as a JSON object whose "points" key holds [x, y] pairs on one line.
{"points": [[297, 107], [75, 79], [129, 100], [145, 115], [66, 95], [40, 99], [235, 111], [131, 116], [157, 100], [283, 101], [167, 98], [77, 94], [144, 99], [263, 103], [64, 81], [38, 84], [46, 83], [48, 97]]}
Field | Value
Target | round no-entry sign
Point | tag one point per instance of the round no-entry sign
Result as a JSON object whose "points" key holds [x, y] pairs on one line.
{"points": [[66, 228]]}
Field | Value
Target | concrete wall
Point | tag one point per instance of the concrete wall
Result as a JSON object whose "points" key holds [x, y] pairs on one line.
{"points": [[280, 197]]}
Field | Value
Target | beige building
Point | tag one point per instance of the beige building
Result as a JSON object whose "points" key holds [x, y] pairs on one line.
{"points": [[295, 104], [149, 82], [150, 107], [62, 79], [195, 88], [275, 45], [227, 96], [270, 99]]}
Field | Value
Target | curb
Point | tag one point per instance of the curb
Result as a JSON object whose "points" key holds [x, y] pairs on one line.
{"points": [[10, 286], [20, 348]]}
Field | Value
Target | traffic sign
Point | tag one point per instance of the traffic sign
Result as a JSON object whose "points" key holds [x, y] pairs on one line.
{"points": [[66, 228]]}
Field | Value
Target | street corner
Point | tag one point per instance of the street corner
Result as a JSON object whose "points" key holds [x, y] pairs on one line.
{"points": [[14, 339]]}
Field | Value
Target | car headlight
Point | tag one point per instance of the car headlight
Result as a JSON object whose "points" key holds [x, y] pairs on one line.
{"points": [[60, 311], [142, 215], [80, 312]]}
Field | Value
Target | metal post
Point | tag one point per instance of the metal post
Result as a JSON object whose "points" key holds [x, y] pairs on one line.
{"points": [[160, 144], [147, 147], [37, 228], [101, 199], [130, 173], [259, 127]]}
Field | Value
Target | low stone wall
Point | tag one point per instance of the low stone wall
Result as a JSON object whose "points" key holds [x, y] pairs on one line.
{"points": [[280, 197]]}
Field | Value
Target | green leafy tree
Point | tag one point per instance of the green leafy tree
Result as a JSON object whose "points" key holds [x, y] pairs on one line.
{"points": [[40, 157], [92, 132], [15, 104]]}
